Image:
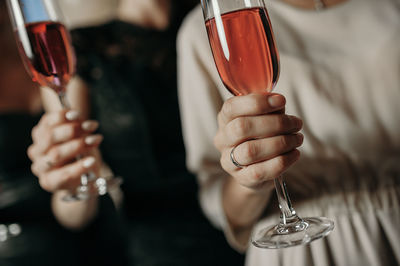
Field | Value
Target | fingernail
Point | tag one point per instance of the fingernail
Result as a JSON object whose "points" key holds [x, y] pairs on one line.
{"points": [[90, 140], [72, 115], [90, 125], [88, 162], [276, 101], [299, 138]]}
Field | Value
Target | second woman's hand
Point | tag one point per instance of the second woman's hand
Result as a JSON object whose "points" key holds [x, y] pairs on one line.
{"points": [[58, 139], [257, 140]]}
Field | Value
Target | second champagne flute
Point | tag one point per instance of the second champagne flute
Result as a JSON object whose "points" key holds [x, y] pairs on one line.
{"points": [[46, 49], [246, 56]]}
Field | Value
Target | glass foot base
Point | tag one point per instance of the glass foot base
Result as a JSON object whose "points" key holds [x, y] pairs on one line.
{"points": [[99, 187], [301, 232]]}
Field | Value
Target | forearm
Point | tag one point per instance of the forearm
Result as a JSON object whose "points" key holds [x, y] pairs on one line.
{"points": [[244, 206], [74, 215]]}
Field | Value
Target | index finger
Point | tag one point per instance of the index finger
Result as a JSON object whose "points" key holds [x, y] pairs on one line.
{"points": [[250, 105], [55, 118], [49, 120]]}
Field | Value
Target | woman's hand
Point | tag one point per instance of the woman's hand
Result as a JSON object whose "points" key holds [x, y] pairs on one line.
{"points": [[58, 139], [255, 133]]}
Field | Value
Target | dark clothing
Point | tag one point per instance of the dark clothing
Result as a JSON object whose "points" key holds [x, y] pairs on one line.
{"points": [[131, 72], [41, 241]]}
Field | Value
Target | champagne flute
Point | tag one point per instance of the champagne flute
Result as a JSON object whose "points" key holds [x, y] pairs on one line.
{"points": [[246, 56], [46, 50]]}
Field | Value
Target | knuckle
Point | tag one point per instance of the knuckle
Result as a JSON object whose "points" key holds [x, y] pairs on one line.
{"points": [[282, 122], [76, 130], [60, 133], [30, 152], [220, 118], [55, 155], [46, 140], [223, 163], [44, 118], [72, 130], [67, 131], [256, 175], [240, 127], [227, 108], [78, 145], [282, 142], [45, 184], [50, 119], [280, 163], [218, 140], [251, 150], [258, 104], [34, 132], [34, 169]]}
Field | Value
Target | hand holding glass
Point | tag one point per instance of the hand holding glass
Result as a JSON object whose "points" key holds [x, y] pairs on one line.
{"points": [[244, 50], [46, 50]]}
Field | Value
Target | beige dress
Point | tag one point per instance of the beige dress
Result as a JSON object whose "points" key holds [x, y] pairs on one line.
{"points": [[340, 72]]}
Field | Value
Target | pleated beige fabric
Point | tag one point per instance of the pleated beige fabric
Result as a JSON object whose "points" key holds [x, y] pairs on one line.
{"points": [[340, 72]]}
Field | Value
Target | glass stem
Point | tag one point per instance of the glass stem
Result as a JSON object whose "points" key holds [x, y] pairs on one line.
{"points": [[288, 214], [63, 100]]}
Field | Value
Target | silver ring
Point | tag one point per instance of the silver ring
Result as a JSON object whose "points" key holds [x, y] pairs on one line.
{"points": [[49, 164], [234, 160]]}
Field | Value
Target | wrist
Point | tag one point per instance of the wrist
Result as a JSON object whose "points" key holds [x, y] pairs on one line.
{"points": [[243, 206], [73, 215], [263, 190]]}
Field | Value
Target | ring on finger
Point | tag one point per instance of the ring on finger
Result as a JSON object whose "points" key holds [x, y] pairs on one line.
{"points": [[236, 163], [49, 164]]}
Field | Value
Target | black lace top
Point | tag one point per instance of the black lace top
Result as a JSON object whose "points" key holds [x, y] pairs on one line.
{"points": [[132, 76]]}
